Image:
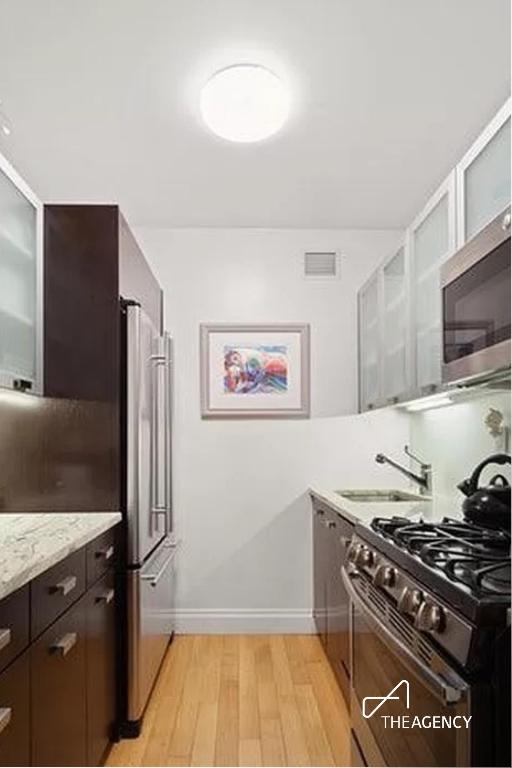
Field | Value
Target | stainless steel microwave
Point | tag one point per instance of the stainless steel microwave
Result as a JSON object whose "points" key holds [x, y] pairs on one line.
{"points": [[475, 285]]}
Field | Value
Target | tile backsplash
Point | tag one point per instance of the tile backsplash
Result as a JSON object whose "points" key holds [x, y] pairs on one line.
{"points": [[455, 438]]}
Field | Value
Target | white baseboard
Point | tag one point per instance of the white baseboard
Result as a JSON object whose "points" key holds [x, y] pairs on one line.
{"points": [[242, 621]]}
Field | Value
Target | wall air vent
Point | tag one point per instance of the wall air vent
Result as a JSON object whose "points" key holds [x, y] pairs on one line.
{"points": [[321, 264]]}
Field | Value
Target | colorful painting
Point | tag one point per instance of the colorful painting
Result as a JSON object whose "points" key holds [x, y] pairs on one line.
{"points": [[255, 369]]}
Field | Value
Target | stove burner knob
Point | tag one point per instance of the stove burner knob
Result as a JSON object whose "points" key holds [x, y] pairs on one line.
{"points": [[410, 601], [353, 552], [430, 617], [365, 557], [385, 576]]}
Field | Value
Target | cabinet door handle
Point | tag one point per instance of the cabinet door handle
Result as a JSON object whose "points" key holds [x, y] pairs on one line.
{"points": [[330, 524], [5, 638], [345, 540], [65, 586], [106, 597], [65, 644], [5, 717], [106, 554], [319, 512]]}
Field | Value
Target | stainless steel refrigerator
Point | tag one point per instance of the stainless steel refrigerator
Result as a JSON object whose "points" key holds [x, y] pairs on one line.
{"points": [[151, 547]]}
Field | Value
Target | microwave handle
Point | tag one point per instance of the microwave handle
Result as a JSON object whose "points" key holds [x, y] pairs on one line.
{"points": [[445, 692]]}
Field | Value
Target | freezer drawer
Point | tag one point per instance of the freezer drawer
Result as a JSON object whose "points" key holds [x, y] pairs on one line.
{"points": [[150, 601]]}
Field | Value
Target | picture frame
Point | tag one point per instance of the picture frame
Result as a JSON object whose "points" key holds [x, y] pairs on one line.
{"points": [[255, 371]]}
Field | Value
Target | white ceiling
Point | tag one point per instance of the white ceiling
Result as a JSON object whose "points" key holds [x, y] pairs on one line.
{"points": [[387, 94]]}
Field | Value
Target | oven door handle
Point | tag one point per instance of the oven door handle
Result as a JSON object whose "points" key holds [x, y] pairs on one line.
{"points": [[446, 692]]}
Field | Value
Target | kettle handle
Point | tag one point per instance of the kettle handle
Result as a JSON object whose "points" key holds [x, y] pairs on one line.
{"points": [[470, 486], [500, 481]]}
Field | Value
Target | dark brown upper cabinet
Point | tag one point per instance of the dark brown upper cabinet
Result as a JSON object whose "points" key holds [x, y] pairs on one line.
{"points": [[91, 258]]}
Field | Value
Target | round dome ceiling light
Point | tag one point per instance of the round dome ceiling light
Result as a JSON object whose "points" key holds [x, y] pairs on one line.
{"points": [[244, 103]]}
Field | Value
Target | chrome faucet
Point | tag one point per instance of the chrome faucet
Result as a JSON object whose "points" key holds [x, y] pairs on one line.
{"points": [[424, 479]]}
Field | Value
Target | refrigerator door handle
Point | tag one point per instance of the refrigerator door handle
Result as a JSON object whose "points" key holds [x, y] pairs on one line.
{"points": [[157, 362], [168, 432]]}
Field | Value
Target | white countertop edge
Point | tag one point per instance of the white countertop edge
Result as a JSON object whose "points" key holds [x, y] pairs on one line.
{"points": [[14, 577], [358, 512]]}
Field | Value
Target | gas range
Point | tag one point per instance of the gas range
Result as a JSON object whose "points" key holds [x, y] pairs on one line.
{"points": [[450, 580]]}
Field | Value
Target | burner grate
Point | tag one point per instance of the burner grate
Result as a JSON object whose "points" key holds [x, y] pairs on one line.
{"points": [[468, 554]]}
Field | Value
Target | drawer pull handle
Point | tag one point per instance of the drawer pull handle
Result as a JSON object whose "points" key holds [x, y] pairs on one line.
{"points": [[106, 554], [65, 586], [5, 717], [106, 597], [5, 638], [65, 644]]}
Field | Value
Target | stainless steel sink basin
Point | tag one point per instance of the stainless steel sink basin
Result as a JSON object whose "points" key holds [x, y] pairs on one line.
{"points": [[388, 495]]}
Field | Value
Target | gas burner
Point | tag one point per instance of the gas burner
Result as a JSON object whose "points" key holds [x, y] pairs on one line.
{"points": [[467, 554]]}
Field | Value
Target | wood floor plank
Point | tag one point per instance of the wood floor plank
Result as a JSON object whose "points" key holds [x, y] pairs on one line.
{"points": [[248, 693], [227, 736], [250, 752], [318, 744], [249, 700], [333, 710]]}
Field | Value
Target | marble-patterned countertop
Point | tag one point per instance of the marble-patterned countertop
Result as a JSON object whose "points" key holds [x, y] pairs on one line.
{"points": [[363, 512], [33, 542]]}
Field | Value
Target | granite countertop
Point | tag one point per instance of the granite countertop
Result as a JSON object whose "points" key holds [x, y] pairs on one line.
{"points": [[364, 512], [33, 542]]}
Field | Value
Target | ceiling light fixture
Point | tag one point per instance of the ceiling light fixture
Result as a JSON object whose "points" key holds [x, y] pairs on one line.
{"points": [[245, 103]]}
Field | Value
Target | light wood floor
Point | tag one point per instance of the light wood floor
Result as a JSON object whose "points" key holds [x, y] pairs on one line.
{"points": [[242, 700]]}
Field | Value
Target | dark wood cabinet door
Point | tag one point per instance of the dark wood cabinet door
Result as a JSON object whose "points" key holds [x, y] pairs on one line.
{"points": [[320, 555], [337, 628], [59, 716], [81, 309], [14, 625], [15, 713], [101, 667]]}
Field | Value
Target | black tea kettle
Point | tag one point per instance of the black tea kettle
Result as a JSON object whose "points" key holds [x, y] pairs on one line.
{"points": [[490, 505]]}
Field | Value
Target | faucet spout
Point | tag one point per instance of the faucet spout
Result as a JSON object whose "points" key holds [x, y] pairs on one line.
{"points": [[422, 480]]}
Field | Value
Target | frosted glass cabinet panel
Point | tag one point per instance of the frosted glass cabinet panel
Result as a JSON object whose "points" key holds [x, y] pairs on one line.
{"points": [[369, 344], [395, 323], [432, 241], [483, 177], [20, 282]]}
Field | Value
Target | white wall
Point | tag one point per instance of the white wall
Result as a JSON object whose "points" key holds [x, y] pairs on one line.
{"points": [[240, 498], [454, 439]]}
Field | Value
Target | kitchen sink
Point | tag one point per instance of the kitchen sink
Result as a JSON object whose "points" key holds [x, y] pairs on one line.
{"points": [[388, 495]]}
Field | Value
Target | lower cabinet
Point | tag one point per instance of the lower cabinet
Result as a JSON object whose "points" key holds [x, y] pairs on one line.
{"points": [[58, 692], [58, 659], [100, 668], [15, 713], [331, 536], [320, 548]]}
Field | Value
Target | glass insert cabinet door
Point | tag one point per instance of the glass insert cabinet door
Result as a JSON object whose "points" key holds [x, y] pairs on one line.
{"points": [[20, 282], [395, 323], [431, 241], [483, 177], [369, 344]]}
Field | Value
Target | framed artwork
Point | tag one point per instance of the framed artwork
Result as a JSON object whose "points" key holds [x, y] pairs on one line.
{"points": [[254, 370]]}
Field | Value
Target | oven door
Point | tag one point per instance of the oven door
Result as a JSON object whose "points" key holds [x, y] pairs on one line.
{"points": [[476, 305], [385, 652]]}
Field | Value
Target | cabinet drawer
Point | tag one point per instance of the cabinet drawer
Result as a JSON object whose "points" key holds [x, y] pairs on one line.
{"points": [[14, 623], [58, 692], [101, 555], [15, 713], [55, 590]]}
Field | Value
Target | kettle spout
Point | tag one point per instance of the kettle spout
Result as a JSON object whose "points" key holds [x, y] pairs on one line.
{"points": [[465, 486]]}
